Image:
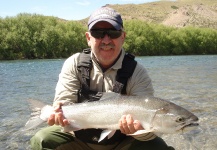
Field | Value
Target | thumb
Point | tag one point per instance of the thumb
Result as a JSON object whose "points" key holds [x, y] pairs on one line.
{"points": [[57, 106]]}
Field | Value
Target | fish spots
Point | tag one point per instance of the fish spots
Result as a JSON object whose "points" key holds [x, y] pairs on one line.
{"points": [[146, 100]]}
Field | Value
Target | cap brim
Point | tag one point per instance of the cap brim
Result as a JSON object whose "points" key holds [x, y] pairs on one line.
{"points": [[116, 25]]}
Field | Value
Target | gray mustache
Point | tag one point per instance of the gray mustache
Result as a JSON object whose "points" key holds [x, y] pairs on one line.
{"points": [[106, 46]]}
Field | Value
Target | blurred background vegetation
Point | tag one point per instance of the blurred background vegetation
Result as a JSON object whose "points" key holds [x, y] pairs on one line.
{"points": [[28, 36], [154, 39], [32, 36]]}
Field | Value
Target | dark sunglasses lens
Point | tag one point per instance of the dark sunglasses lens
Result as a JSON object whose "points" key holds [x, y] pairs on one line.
{"points": [[97, 33], [113, 34]]}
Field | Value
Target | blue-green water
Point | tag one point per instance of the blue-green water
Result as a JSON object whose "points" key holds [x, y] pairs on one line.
{"points": [[190, 81]]}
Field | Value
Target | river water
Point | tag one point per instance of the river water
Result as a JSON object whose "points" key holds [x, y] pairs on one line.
{"points": [[189, 81]]}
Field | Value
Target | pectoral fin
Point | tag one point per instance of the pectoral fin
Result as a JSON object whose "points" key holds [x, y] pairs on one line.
{"points": [[106, 133]]}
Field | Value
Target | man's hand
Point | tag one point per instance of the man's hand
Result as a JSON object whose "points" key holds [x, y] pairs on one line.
{"points": [[128, 125], [57, 118]]}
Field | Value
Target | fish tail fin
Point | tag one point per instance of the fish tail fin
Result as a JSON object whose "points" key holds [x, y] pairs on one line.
{"points": [[36, 118], [32, 123]]}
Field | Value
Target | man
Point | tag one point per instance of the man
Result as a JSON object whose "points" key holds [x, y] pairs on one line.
{"points": [[85, 75]]}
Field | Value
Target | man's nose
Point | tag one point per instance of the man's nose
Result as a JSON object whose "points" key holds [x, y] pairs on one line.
{"points": [[106, 39]]}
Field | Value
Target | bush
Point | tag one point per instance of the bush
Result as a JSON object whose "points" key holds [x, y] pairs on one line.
{"points": [[151, 39], [29, 36], [35, 36]]}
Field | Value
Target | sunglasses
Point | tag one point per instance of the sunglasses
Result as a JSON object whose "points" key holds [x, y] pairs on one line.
{"points": [[100, 33]]}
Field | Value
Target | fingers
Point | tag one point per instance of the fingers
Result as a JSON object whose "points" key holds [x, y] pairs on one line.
{"points": [[65, 122], [51, 120], [137, 125], [57, 118], [126, 124], [123, 125]]}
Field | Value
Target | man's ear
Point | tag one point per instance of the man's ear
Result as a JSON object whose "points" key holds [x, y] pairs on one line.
{"points": [[123, 37], [87, 34]]}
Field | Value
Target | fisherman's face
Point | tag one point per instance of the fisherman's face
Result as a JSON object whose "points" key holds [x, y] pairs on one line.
{"points": [[105, 49]]}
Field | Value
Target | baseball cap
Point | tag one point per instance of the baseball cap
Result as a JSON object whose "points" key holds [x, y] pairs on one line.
{"points": [[106, 14]]}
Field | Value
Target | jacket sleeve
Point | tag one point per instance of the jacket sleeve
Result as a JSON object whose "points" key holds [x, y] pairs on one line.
{"points": [[68, 84], [141, 84]]}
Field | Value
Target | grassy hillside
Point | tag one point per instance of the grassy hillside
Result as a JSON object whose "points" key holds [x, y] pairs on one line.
{"points": [[180, 13]]}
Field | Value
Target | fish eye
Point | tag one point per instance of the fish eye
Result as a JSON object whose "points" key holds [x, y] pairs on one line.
{"points": [[180, 119]]}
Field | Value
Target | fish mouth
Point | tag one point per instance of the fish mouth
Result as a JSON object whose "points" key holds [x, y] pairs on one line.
{"points": [[192, 123], [189, 126]]}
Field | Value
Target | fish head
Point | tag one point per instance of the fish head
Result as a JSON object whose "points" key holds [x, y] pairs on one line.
{"points": [[172, 118]]}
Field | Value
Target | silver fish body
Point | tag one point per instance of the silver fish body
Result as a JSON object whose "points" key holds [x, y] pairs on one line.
{"points": [[155, 114]]}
